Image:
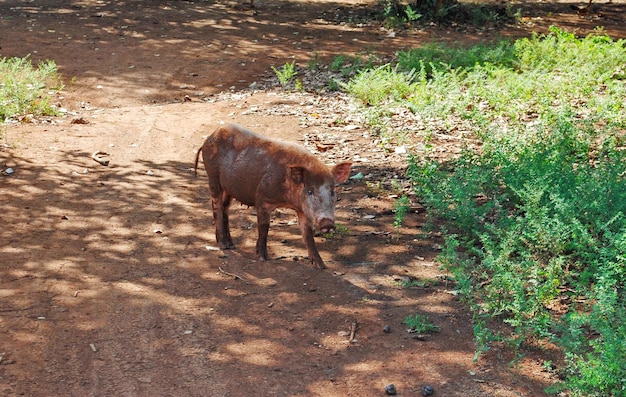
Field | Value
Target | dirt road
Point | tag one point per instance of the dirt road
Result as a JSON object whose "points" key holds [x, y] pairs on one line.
{"points": [[110, 282]]}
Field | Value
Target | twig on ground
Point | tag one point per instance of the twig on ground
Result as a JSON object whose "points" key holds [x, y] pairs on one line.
{"points": [[233, 275]]}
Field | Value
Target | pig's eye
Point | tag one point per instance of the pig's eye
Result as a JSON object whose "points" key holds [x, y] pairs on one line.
{"points": [[310, 192]]}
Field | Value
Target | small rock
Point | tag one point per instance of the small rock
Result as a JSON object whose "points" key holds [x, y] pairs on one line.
{"points": [[9, 171], [391, 389], [400, 150], [79, 120], [387, 329], [427, 391]]}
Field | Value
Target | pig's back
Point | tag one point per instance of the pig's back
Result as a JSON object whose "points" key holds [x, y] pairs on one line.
{"points": [[251, 165]]}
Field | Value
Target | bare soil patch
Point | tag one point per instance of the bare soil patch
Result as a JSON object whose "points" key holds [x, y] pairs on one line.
{"points": [[109, 282]]}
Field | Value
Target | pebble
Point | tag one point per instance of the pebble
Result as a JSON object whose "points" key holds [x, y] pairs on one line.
{"points": [[391, 389], [9, 171], [387, 329], [427, 391]]}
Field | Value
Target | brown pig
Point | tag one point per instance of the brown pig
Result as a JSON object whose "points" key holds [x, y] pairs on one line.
{"points": [[269, 174]]}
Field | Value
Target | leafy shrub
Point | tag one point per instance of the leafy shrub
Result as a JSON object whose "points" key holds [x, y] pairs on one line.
{"points": [[25, 89], [535, 220], [286, 74]]}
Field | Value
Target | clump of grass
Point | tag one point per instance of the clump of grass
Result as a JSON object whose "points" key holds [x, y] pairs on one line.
{"points": [[378, 85], [433, 55], [420, 323], [25, 89]]}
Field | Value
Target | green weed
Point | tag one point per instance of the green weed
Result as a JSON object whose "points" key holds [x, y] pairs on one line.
{"points": [[375, 86], [400, 208], [25, 89], [315, 62], [286, 74], [420, 323]]}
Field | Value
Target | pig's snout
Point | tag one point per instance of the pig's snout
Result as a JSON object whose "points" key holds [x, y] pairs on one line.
{"points": [[327, 225]]}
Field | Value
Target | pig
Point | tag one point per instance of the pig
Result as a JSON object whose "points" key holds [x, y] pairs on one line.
{"points": [[269, 174]]}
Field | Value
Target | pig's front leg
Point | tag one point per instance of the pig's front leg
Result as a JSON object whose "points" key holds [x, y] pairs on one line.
{"points": [[306, 228], [263, 225]]}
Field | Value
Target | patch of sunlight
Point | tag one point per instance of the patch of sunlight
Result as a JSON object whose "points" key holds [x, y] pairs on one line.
{"points": [[364, 366], [260, 352]]}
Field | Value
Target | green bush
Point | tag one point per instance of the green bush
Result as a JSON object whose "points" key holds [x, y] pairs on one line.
{"points": [[25, 89], [538, 224], [535, 218]]}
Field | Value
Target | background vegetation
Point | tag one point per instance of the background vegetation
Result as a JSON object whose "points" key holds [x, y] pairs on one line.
{"points": [[534, 211], [446, 12]]}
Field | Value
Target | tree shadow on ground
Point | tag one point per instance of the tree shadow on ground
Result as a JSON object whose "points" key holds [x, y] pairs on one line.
{"points": [[108, 289]]}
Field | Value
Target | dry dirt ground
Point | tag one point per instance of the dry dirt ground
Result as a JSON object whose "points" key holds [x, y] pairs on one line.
{"points": [[109, 282]]}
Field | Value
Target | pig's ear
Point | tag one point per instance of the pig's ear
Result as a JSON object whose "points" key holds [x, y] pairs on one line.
{"points": [[341, 171], [296, 173]]}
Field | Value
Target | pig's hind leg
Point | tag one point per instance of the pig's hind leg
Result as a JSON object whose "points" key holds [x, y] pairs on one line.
{"points": [[220, 199]]}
